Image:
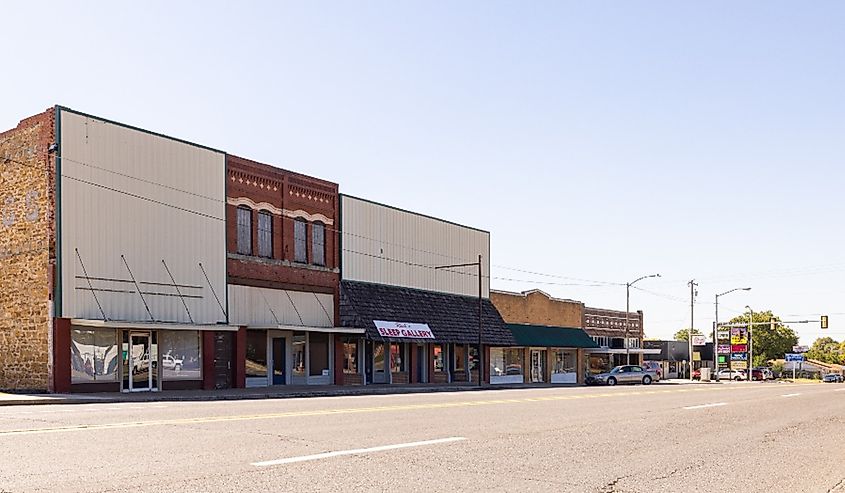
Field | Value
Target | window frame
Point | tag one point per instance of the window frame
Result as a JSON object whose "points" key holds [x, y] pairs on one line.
{"points": [[268, 234], [296, 241], [238, 226], [314, 226]]}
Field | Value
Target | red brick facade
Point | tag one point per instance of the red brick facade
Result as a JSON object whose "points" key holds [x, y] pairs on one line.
{"points": [[288, 197]]}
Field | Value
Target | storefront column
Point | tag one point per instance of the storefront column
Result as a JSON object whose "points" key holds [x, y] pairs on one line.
{"points": [[549, 363], [580, 366], [526, 365], [61, 355], [413, 374], [338, 360]]}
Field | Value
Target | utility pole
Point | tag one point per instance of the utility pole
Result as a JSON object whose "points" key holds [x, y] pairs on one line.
{"points": [[692, 292], [480, 313], [750, 349]]}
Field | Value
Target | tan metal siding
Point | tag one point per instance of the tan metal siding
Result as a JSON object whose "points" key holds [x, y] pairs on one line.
{"points": [[390, 246], [261, 307], [131, 175]]}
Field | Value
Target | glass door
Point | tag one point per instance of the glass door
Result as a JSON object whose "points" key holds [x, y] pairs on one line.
{"points": [[141, 362], [538, 365], [279, 362]]}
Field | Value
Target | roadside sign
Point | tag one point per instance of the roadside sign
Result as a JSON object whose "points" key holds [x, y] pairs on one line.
{"points": [[696, 356], [739, 335], [723, 360], [800, 349], [698, 340], [723, 349], [724, 334], [739, 348], [739, 365], [794, 357], [739, 356]]}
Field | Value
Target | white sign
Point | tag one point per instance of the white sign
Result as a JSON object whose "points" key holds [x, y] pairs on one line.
{"points": [[404, 330], [698, 340], [800, 349]]}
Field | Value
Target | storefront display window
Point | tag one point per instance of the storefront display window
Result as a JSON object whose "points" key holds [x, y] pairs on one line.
{"points": [[506, 365], [350, 357], [397, 357], [180, 355], [93, 356], [437, 355], [473, 358], [378, 357], [564, 366], [298, 345], [318, 350], [256, 353]]}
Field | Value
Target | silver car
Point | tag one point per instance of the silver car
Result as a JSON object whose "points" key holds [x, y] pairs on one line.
{"points": [[625, 374]]}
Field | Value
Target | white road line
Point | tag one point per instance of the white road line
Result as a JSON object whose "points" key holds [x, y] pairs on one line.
{"points": [[839, 390], [715, 404], [327, 455], [791, 395]]}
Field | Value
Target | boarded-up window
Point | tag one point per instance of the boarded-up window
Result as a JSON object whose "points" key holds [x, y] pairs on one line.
{"points": [[265, 234], [244, 231], [300, 241], [318, 244]]}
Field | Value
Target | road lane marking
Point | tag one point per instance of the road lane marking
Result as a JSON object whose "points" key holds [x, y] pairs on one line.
{"points": [[328, 455], [839, 390], [703, 406], [341, 411], [791, 395]]}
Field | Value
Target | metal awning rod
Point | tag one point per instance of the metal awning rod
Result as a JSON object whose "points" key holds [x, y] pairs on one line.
{"points": [[85, 271], [178, 291], [210, 286], [138, 288]]}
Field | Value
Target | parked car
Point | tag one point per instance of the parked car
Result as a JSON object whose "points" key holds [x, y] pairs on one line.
{"points": [[730, 375], [624, 374], [654, 365], [756, 375], [832, 378], [168, 362], [767, 372]]}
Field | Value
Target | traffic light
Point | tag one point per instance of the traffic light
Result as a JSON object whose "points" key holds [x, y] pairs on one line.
{"points": [[824, 321]]}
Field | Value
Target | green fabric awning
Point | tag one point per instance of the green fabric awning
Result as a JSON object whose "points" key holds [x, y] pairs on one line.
{"points": [[546, 336]]}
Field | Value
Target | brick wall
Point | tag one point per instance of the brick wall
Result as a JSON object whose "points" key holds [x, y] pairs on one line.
{"points": [[26, 243], [285, 195], [538, 308], [611, 323]]}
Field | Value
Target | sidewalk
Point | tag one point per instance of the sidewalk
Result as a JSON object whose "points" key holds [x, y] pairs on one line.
{"points": [[280, 392]]}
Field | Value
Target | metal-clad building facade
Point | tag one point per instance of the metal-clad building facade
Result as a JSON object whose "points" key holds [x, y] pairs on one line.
{"points": [[385, 245], [249, 305], [150, 198]]}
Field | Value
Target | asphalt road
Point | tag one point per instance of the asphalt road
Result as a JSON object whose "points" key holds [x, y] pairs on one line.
{"points": [[745, 437]]}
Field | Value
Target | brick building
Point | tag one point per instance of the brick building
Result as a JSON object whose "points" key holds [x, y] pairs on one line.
{"points": [[283, 274], [607, 328], [552, 346]]}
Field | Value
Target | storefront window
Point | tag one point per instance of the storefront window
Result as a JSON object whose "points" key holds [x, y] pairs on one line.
{"points": [[564, 361], [378, 357], [397, 357], [599, 363], [437, 355], [180, 355], [93, 356], [460, 357], [473, 358], [506, 362], [298, 344], [350, 357], [256, 353], [319, 353]]}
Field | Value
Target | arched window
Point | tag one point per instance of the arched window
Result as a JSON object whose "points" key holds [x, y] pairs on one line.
{"points": [[265, 234], [244, 222], [300, 241], [318, 243]]}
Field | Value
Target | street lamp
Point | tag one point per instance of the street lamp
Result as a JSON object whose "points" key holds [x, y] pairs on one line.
{"points": [[628, 309], [480, 312], [716, 328]]}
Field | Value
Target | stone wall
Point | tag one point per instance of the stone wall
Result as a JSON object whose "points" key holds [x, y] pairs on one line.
{"points": [[537, 308], [26, 245]]}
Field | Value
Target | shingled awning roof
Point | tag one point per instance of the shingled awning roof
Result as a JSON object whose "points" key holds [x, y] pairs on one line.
{"points": [[452, 318]]}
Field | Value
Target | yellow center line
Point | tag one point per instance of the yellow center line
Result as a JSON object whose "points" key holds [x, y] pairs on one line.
{"points": [[341, 411]]}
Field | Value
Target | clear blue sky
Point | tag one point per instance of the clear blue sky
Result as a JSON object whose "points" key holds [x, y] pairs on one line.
{"points": [[595, 140]]}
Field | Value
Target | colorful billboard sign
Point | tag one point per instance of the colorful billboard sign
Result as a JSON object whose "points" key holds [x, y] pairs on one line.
{"points": [[723, 349], [739, 348], [723, 334], [739, 357], [739, 365], [739, 335]]}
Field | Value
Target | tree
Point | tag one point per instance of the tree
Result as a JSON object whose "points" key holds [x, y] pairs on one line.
{"points": [[768, 344], [826, 350], [683, 334]]}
